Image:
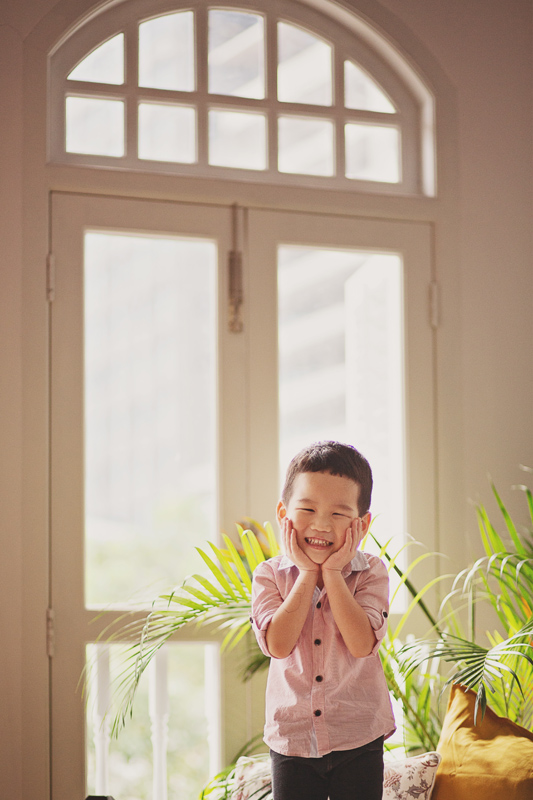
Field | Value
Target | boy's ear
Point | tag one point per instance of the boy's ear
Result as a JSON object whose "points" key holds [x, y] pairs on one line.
{"points": [[281, 511], [366, 519]]}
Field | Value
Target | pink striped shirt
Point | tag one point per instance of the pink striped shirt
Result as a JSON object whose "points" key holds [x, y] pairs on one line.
{"points": [[321, 698]]}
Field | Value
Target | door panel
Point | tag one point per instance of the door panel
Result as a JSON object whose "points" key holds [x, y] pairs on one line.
{"points": [[115, 471], [361, 252]]}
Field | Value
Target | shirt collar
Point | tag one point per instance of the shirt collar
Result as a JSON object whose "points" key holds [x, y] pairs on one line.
{"points": [[358, 563]]}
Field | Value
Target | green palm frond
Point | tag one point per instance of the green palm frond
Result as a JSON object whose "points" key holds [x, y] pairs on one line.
{"points": [[511, 527], [476, 667], [416, 695], [404, 576], [223, 785], [221, 601], [255, 663]]}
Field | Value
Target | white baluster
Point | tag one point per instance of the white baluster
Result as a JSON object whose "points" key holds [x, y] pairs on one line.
{"points": [[159, 713], [101, 724], [212, 694]]}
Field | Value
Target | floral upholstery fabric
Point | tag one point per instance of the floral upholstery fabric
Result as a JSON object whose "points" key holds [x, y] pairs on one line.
{"points": [[410, 779], [251, 775]]}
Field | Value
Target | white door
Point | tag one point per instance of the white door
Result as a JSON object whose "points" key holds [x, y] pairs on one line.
{"points": [[167, 426], [141, 468]]}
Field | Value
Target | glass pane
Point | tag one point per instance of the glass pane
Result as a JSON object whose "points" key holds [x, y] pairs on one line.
{"points": [[304, 67], [372, 152], [305, 146], [150, 345], [166, 52], [361, 92], [103, 65], [94, 126], [179, 688], [167, 133], [341, 363], [237, 139], [236, 54]]}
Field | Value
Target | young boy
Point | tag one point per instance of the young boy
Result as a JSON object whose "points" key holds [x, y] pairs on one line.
{"points": [[320, 611]]}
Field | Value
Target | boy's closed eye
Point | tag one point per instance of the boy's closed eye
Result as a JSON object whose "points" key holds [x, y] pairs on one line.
{"points": [[335, 513]]}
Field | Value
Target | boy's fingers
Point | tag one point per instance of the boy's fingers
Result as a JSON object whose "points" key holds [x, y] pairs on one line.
{"points": [[287, 536], [356, 527]]}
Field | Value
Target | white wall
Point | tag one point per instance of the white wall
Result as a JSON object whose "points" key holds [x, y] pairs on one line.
{"points": [[478, 53], [486, 50]]}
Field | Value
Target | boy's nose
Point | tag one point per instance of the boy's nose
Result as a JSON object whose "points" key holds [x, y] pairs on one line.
{"points": [[321, 523]]}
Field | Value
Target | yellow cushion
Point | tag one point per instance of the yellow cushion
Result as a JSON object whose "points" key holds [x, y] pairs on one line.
{"points": [[492, 760]]}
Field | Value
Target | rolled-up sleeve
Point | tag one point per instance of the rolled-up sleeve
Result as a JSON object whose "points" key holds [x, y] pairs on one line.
{"points": [[266, 599], [372, 594]]}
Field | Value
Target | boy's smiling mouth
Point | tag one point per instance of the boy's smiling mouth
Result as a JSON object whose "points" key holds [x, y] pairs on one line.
{"points": [[317, 542]]}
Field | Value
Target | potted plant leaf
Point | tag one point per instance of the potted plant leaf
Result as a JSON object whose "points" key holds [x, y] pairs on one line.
{"points": [[499, 663]]}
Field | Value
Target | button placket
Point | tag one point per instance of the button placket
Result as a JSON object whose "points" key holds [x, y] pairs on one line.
{"points": [[318, 692]]}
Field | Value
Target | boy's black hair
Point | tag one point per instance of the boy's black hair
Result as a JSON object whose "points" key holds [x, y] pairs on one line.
{"points": [[337, 459]]}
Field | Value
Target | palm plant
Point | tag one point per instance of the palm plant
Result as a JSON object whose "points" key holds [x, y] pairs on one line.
{"points": [[503, 579], [415, 693], [222, 601]]}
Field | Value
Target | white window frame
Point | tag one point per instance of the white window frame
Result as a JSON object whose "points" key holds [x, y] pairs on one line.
{"points": [[414, 102], [248, 412]]}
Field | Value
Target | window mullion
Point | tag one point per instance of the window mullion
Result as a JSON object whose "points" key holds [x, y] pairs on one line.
{"points": [[87, 89], [201, 26], [234, 102], [338, 101], [305, 110], [166, 96], [131, 80], [271, 56], [373, 117]]}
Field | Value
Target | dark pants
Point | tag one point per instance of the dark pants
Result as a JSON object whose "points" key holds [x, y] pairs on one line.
{"points": [[342, 775]]}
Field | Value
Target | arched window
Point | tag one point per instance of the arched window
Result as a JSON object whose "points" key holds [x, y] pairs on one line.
{"points": [[286, 96]]}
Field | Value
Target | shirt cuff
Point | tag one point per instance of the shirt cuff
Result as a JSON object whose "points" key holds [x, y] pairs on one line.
{"points": [[260, 635], [379, 624]]}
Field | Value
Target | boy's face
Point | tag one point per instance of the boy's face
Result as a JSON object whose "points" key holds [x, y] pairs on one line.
{"points": [[321, 508]]}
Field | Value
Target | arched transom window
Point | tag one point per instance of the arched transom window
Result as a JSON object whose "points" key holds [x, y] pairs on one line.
{"points": [[283, 95]]}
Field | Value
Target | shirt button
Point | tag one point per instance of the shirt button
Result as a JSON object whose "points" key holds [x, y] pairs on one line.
{"points": [[319, 678], [318, 712], [319, 604], [318, 641]]}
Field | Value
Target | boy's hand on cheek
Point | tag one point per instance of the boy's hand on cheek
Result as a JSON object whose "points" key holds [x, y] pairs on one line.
{"points": [[293, 549], [337, 561]]}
